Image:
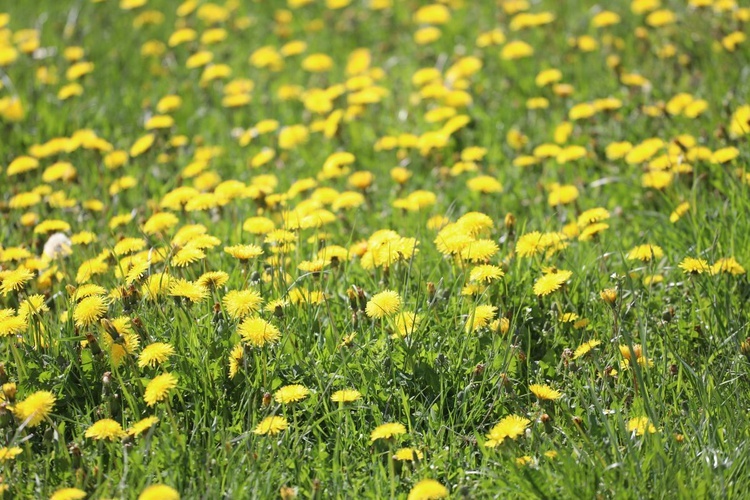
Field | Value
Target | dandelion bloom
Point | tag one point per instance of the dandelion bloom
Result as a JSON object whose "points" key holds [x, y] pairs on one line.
{"points": [[511, 426], [408, 455], [480, 317], [35, 408], [387, 431], [9, 453], [241, 303], [645, 253], [68, 494], [155, 354], [291, 394], [89, 310], [544, 392], [244, 252], [691, 265], [142, 426], [258, 332], [428, 489], [382, 304], [159, 492], [486, 273], [105, 429], [158, 389], [271, 425], [15, 280], [346, 396], [551, 282], [585, 348], [641, 425]]}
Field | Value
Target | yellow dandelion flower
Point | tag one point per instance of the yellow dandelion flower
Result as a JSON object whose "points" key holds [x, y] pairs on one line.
{"points": [[105, 428], [9, 453], [551, 282], [68, 494], [428, 489], [387, 431], [35, 408], [155, 354], [158, 389], [15, 280], [486, 273], [480, 317], [159, 492], [544, 392], [641, 426], [291, 394], [346, 396], [90, 310], [385, 303], [645, 253], [258, 332], [142, 426], [691, 265], [511, 427], [244, 252], [585, 348], [408, 455], [271, 425], [241, 303]]}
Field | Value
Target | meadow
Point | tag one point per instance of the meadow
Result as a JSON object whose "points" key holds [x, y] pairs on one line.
{"points": [[374, 249]]}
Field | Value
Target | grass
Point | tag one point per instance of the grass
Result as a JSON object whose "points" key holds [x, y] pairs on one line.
{"points": [[446, 383]]}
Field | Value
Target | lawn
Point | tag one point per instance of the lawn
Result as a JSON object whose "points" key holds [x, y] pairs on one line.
{"points": [[374, 249]]}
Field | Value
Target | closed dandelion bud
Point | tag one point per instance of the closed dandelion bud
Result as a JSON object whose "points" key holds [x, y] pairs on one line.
{"points": [[278, 311], [362, 299], [673, 370], [522, 356], [745, 347], [608, 295], [544, 418], [679, 438], [352, 299], [70, 289], [9, 390], [316, 485], [578, 421], [288, 493], [510, 221], [75, 455], [668, 315], [3, 374], [93, 345], [431, 290], [266, 399], [49, 434], [479, 369]]}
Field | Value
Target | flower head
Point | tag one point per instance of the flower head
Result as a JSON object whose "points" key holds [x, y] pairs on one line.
{"points": [[258, 332], [271, 425], [544, 392], [105, 429], [159, 492], [155, 354], [158, 389], [511, 426], [291, 394], [35, 408], [387, 431], [383, 304], [428, 489], [346, 396]]}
